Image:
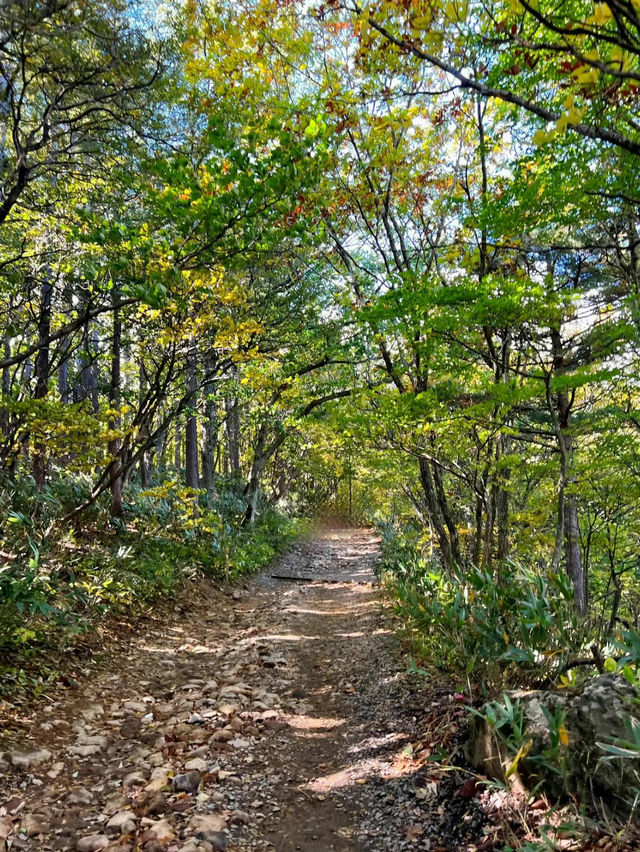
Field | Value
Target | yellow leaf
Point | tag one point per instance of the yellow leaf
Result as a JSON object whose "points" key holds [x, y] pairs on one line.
{"points": [[563, 735], [601, 15], [617, 53], [586, 75], [574, 116], [523, 751]]}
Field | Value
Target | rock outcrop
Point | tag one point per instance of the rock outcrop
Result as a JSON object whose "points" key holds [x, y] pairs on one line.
{"points": [[598, 711]]}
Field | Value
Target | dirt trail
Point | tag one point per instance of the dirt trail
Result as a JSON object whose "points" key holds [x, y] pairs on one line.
{"points": [[277, 717]]}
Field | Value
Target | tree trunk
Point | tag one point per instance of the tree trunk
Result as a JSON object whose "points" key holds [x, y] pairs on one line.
{"points": [[210, 440], [502, 502], [115, 401], [481, 505], [191, 429], [447, 515], [252, 490], [65, 345], [6, 374], [573, 555], [233, 427], [144, 429], [63, 374], [87, 387], [567, 526], [161, 450], [434, 510], [487, 551], [177, 443], [261, 454], [42, 377]]}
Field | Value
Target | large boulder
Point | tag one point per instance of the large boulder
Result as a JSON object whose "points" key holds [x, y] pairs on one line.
{"points": [[598, 711]]}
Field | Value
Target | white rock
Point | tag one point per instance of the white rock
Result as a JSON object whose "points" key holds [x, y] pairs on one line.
{"points": [[189, 846], [28, 759], [134, 778], [195, 763], [200, 823], [93, 739], [92, 843], [84, 750], [123, 821], [163, 831], [92, 711], [80, 796], [225, 708], [55, 770], [159, 778], [135, 706]]}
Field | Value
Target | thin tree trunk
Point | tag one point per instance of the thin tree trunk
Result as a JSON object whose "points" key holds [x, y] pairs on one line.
{"points": [[177, 442], [481, 504], [6, 374], [65, 345], [115, 397], [252, 490], [161, 449], [502, 502], [567, 529], [144, 430], [42, 377], [210, 442], [447, 515], [487, 554], [93, 372], [86, 388], [233, 427], [191, 428], [434, 510]]}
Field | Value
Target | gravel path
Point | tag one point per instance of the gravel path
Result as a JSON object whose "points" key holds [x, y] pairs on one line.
{"points": [[277, 717]]}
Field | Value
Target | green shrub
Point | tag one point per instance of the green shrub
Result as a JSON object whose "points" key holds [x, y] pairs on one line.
{"points": [[512, 625], [57, 585]]}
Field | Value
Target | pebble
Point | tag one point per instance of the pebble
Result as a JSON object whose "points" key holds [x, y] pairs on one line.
{"points": [[79, 796], [92, 712], [163, 831], [33, 824], [133, 779], [135, 706], [187, 782], [92, 843], [159, 779]]}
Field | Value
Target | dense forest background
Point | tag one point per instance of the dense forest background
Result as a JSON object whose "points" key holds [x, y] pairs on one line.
{"points": [[271, 260]]}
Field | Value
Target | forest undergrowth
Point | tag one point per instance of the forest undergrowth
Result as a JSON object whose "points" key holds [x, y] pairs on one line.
{"points": [[59, 591]]}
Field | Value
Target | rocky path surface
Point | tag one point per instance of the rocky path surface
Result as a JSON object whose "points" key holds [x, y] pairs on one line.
{"points": [[274, 717]]}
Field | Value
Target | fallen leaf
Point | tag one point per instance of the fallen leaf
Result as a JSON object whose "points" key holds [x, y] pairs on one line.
{"points": [[468, 789], [414, 833]]}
